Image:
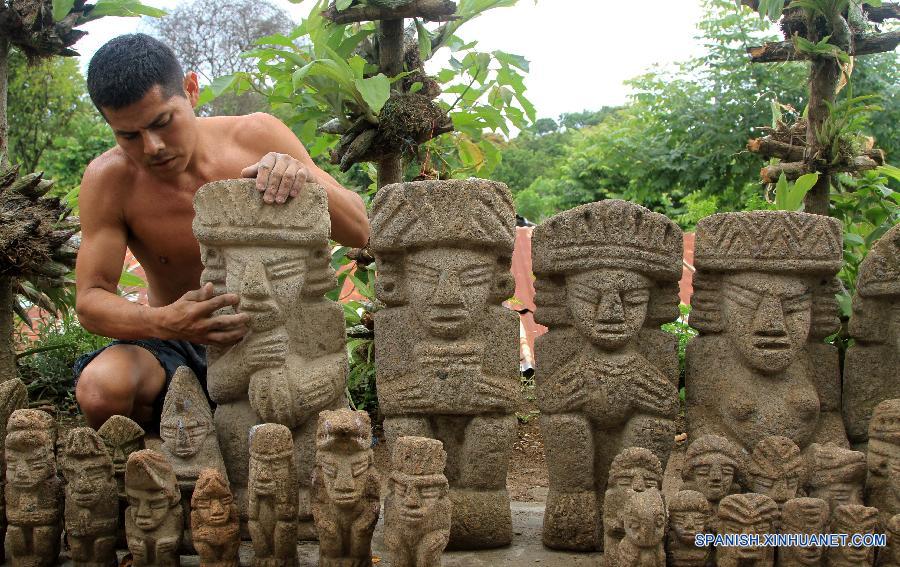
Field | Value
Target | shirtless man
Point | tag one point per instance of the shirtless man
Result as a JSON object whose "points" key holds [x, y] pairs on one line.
{"points": [[140, 194]]}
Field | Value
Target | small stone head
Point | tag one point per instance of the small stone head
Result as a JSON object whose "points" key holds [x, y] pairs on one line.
{"points": [[212, 503], [644, 519], [122, 437], [710, 466], [883, 457], [30, 440], [186, 416], [151, 487], [747, 514], [272, 470], [853, 519], [893, 534], [87, 467], [876, 311], [776, 469], [804, 516], [688, 516], [836, 474], [417, 481], [635, 469], [344, 454]]}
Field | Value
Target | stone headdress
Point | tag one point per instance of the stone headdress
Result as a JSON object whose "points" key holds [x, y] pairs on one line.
{"points": [[830, 464], [468, 213], [30, 429], [688, 501], [705, 445], [878, 283], [633, 458], [419, 456], [149, 470], [118, 430], [885, 423], [747, 509], [210, 484], [778, 242], [854, 519], [344, 431], [85, 443], [893, 526], [185, 396], [271, 440], [776, 457], [805, 515]]}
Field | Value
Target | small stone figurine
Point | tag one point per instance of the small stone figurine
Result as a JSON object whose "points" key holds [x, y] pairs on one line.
{"points": [[837, 475], [746, 514], [644, 518], [214, 521], [273, 496], [688, 516], [804, 516], [122, 437], [853, 519], [346, 489], [883, 460], [92, 501], [417, 508], [776, 469], [13, 396], [34, 492], [154, 522], [712, 465], [890, 556], [635, 469]]}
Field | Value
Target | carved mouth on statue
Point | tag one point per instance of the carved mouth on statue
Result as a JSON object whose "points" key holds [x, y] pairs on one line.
{"points": [[412, 514], [84, 498], [256, 307], [772, 345], [264, 487], [344, 498]]}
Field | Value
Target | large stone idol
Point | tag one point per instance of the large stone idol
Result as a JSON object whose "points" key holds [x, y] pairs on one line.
{"points": [[292, 363], [273, 496], [34, 492], [447, 352], [644, 519], [214, 521], [752, 514], [810, 516], [417, 509], [870, 368], [92, 500], [763, 303], [153, 521], [13, 396], [346, 489], [607, 278], [883, 460], [634, 470], [857, 520], [689, 515]]}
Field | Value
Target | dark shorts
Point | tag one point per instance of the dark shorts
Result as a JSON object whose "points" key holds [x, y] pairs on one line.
{"points": [[169, 354]]}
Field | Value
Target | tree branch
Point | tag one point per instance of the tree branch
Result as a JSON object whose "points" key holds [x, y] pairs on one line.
{"points": [[780, 51], [770, 148], [887, 11], [793, 170], [429, 10]]}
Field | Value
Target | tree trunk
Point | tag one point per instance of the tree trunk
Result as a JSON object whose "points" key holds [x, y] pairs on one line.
{"points": [[390, 62], [7, 318], [4, 80]]}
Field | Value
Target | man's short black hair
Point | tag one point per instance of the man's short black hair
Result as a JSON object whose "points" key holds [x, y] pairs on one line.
{"points": [[127, 67]]}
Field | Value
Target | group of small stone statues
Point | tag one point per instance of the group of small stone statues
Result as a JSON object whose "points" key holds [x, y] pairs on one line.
{"points": [[777, 436]]}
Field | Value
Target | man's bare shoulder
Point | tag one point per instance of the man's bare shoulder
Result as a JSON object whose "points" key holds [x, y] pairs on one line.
{"points": [[109, 174], [258, 131]]}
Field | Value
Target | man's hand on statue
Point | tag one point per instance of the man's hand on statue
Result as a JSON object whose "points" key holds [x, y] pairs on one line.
{"points": [[191, 318], [278, 177]]}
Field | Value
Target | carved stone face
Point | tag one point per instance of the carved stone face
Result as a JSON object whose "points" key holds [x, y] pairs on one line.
{"points": [[778, 489], [450, 287], [27, 469], [646, 530], [687, 524], [636, 479], [807, 556], [268, 280], [760, 526], [767, 317], [883, 463], [214, 510], [838, 494], [344, 476], [149, 507], [713, 475], [87, 481], [415, 496], [120, 452], [266, 472], [183, 434], [608, 306]]}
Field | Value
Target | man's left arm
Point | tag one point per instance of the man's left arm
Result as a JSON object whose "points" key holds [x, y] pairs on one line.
{"points": [[286, 166]]}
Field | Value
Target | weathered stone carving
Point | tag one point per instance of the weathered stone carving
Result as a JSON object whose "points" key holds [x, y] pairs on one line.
{"points": [[607, 277], [711, 467], [634, 470], [273, 496], [13, 396], [804, 516], [215, 526], [689, 515], [34, 492], [92, 500], [890, 556], [189, 438], [776, 469], [446, 351], [883, 460], [870, 367], [853, 519], [346, 489], [746, 514], [292, 363], [122, 437], [154, 522], [836, 475], [644, 519], [763, 301], [417, 509]]}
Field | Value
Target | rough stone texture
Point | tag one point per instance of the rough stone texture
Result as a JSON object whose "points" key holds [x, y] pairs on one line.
{"points": [[417, 510], [122, 437], [215, 526], [644, 519], [273, 501], [607, 278], [446, 351], [870, 367], [346, 489], [883, 460], [13, 396], [776, 469], [292, 363], [712, 466], [189, 439], [154, 522], [747, 514], [92, 499], [837, 475], [689, 515], [634, 470], [34, 492], [853, 519], [763, 303], [804, 516], [890, 556]]}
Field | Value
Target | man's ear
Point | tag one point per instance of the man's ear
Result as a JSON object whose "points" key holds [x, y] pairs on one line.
{"points": [[191, 87]]}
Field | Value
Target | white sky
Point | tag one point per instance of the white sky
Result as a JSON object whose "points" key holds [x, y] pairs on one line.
{"points": [[580, 50]]}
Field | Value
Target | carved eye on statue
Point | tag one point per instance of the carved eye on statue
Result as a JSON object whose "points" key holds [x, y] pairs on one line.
{"points": [[201, 503], [431, 492], [360, 467], [329, 469], [636, 296], [286, 268]]}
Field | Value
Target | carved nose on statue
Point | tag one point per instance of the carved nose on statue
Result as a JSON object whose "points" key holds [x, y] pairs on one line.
{"points": [[610, 308], [411, 500], [448, 290], [253, 283], [638, 484], [769, 319]]}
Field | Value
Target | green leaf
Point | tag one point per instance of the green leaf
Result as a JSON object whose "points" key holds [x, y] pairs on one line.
{"points": [[416, 87], [223, 83], [781, 193], [512, 59], [374, 90], [470, 153], [890, 171], [424, 41], [127, 279], [342, 4], [801, 187], [123, 8], [61, 8]]}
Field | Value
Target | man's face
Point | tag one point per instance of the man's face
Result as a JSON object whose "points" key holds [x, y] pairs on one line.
{"points": [[608, 306], [150, 507], [713, 475], [158, 132], [344, 475], [416, 495]]}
